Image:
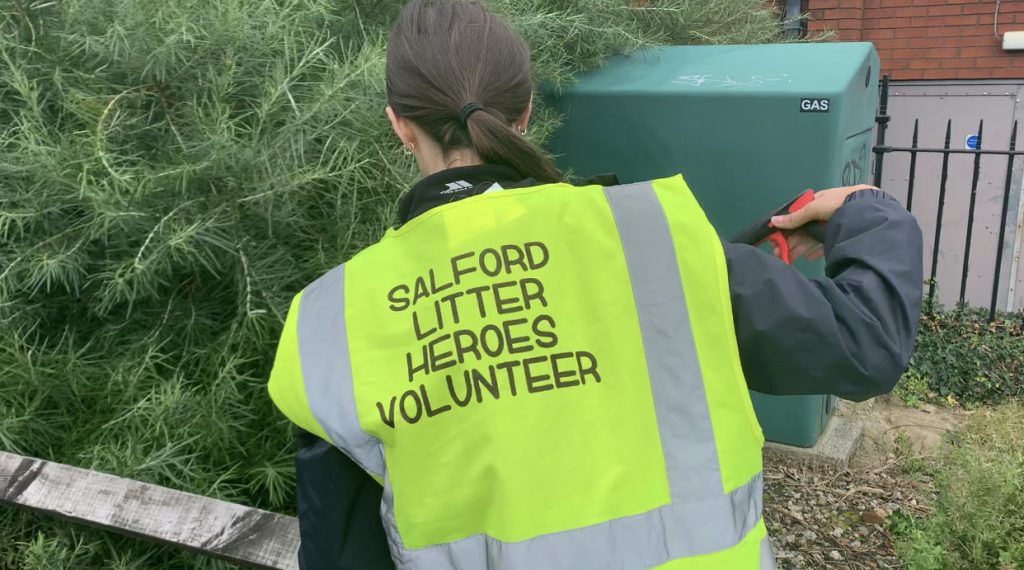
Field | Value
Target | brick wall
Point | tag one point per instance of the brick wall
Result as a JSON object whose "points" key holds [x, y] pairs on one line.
{"points": [[928, 39]]}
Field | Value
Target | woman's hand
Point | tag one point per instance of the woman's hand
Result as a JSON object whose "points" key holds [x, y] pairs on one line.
{"points": [[825, 204]]}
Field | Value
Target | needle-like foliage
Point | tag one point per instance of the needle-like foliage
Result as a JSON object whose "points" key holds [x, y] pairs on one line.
{"points": [[171, 173]]}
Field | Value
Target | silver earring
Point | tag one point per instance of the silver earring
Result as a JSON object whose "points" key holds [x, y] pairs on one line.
{"points": [[522, 131], [408, 149]]}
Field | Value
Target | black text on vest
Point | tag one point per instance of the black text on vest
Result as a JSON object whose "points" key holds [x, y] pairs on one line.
{"points": [[512, 349]]}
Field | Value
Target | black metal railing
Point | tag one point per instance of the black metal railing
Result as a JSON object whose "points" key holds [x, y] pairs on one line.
{"points": [[881, 150]]}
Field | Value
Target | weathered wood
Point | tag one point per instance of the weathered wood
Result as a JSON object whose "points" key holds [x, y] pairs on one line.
{"points": [[225, 530]]}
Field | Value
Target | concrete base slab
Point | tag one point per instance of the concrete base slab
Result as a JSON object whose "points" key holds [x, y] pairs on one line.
{"points": [[835, 447]]}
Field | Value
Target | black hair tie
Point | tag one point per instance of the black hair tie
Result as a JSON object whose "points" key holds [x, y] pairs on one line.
{"points": [[468, 110]]}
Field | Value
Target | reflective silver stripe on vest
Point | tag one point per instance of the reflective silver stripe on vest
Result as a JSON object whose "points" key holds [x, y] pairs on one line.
{"points": [[327, 372], [641, 541], [684, 422], [701, 519]]}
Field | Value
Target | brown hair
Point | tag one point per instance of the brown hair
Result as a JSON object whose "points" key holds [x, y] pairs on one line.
{"points": [[445, 54]]}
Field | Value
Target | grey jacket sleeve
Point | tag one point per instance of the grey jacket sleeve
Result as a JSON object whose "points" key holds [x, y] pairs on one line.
{"points": [[850, 334]]}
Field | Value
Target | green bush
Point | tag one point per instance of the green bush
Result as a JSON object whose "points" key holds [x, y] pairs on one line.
{"points": [[979, 506], [961, 357], [171, 173]]}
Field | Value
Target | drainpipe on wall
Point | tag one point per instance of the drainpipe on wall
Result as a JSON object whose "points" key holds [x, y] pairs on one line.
{"points": [[794, 26]]}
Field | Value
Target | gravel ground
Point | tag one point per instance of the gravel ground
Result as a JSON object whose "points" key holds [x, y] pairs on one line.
{"points": [[830, 518]]}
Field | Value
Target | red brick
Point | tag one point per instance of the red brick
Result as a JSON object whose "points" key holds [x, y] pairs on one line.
{"points": [[979, 52], [942, 53], [924, 42], [872, 3], [979, 8], [879, 13], [908, 74], [988, 41], [977, 31], [936, 74], [987, 19], [972, 40], [853, 25], [927, 22], [958, 63], [929, 2], [960, 20], [886, 44], [975, 73], [822, 4], [894, 23], [1009, 7], [895, 3], [909, 53], [942, 32], [993, 62], [1008, 73], [894, 64], [945, 10], [851, 4], [843, 13], [912, 11], [960, 41], [905, 32], [924, 64], [878, 34], [1019, 18]]}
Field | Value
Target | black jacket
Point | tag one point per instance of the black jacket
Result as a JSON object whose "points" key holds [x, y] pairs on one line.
{"points": [[850, 334]]}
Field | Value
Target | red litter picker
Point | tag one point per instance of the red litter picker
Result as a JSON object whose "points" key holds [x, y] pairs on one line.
{"points": [[762, 230]]}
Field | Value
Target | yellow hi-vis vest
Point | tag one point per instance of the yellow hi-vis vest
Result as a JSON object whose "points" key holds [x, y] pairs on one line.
{"points": [[545, 377]]}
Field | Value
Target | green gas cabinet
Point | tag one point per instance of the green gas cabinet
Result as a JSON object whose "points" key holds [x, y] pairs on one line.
{"points": [[748, 126]]}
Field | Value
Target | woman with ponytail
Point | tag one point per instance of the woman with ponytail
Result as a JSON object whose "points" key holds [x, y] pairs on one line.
{"points": [[434, 477]]}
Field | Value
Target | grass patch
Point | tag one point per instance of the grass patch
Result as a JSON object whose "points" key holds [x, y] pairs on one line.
{"points": [[961, 358], [979, 507]]}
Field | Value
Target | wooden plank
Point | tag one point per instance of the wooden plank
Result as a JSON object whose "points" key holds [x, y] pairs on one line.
{"points": [[235, 533]]}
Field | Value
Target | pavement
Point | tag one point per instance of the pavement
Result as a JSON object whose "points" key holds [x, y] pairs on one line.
{"points": [[835, 447]]}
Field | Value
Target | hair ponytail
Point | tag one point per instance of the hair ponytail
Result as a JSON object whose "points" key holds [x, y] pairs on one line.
{"points": [[443, 54], [496, 143]]}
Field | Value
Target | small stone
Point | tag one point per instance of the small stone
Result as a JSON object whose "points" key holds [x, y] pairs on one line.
{"points": [[790, 538], [834, 555], [854, 544], [874, 516], [837, 532], [810, 535]]}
